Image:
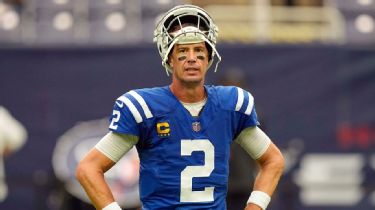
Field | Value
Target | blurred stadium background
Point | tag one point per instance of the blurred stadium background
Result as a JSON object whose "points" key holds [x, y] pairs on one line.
{"points": [[309, 63]]}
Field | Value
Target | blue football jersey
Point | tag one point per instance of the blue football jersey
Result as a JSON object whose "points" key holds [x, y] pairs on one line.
{"points": [[183, 159]]}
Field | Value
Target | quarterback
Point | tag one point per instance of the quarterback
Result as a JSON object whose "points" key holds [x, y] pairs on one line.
{"points": [[183, 131]]}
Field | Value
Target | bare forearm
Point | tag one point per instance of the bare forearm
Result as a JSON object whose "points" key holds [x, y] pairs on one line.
{"points": [[268, 178], [90, 174], [271, 168], [96, 188]]}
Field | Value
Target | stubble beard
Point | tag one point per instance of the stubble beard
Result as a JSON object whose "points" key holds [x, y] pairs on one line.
{"points": [[190, 83]]}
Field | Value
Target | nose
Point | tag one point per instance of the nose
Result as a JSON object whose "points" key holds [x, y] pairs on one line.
{"points": [[191, 56]]}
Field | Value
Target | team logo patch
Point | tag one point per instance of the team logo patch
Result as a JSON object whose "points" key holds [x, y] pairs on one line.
{"points": [[196, 126], [163, 129]]}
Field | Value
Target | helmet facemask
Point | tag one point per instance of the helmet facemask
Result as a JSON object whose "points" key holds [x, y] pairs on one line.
{"points": [[186, 24]]}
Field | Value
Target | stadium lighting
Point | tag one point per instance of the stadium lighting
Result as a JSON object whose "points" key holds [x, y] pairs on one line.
{"points": [[63, 21], [113, 2], [164, 2], [115, 21], [9, 20], [364, 23], [61, 2], [364, 2]]}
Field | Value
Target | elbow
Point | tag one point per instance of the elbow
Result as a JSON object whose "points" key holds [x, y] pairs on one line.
{"points": [[81, 171], [274, 167], [279, 164], [275, 163], [86, 170]]}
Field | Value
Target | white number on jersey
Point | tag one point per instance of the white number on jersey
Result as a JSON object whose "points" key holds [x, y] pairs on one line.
{"points": [[115, 119], [187, 194]]}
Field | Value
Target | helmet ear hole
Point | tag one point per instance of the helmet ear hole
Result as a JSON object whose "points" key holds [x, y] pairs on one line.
{"points": [[209, 49], [160, 50]]}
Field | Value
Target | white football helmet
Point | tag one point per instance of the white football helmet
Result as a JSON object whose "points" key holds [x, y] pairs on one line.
{"points": [[185, 24]]}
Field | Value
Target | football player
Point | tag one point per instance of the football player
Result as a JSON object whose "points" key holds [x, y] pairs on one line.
{"points": [[183, 131]]}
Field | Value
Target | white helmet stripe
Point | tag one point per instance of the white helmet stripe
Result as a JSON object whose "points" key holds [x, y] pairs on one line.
{"points": [[250, 104], [142, 102], [240, 99], [137, 116]]}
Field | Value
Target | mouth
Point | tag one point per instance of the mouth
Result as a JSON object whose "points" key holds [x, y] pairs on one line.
{"points": [[192, 69]]}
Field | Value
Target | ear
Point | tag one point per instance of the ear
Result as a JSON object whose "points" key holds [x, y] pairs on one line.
{"points": [[170, 62]]}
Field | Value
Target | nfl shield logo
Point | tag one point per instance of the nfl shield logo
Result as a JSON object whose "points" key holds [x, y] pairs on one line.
{"points": [[196, 126]]}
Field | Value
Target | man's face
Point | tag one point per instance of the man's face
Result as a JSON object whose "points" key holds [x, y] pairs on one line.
{"points": [[189, 62]]}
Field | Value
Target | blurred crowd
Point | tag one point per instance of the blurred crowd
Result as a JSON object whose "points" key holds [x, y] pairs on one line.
{"points": [[129, 22]]}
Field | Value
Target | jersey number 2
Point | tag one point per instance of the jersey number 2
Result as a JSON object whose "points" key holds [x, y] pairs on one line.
{"points": [[115, 119], [187, 194]]}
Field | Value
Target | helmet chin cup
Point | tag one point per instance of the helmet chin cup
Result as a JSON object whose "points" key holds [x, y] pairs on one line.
{"points": [[185, 24]]}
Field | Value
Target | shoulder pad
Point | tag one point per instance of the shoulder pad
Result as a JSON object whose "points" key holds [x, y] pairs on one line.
{"points": [[236, 99], [148, 102], [136, 105]]}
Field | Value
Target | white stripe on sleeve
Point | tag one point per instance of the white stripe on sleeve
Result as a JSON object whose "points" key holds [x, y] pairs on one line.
{"points": [[142, 102], [137, 116], [240, 99], [250, 105]]}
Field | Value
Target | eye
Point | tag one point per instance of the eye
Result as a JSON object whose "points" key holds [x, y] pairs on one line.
{"points": [[199, 50], [201, 57], [181, 50]]}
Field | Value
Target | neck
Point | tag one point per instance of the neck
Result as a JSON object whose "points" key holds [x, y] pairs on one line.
{"points": [[188, 94]]}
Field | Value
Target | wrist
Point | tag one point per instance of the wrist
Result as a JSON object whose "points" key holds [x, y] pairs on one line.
{"points": [[260, 199], [112, 206]]}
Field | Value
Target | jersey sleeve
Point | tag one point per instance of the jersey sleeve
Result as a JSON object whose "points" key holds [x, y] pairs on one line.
{"points": [[122, 119], [129, 111], [244, 104]]}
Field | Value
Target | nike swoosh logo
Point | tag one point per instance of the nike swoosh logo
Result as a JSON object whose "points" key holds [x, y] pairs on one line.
{"points": [[119, 104]]}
